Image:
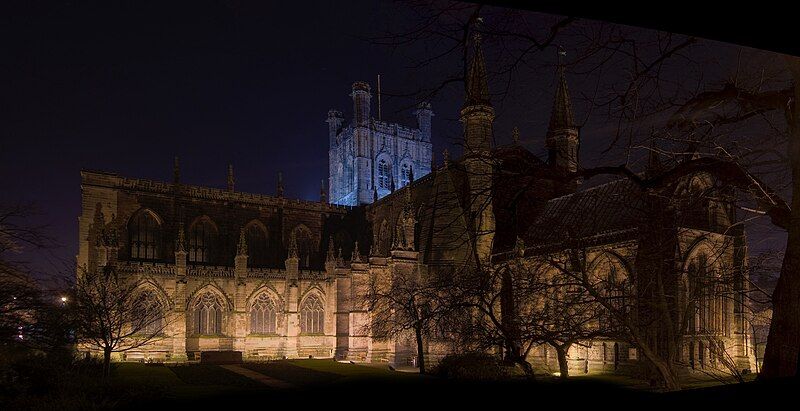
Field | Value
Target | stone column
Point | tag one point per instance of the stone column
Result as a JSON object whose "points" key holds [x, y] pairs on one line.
{"points": [[240, 298], [179, 301]]}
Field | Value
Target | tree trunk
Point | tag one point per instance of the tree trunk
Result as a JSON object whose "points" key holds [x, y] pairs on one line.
{"points": [[781, 355], [420, 349], [563, 366], [106, 364]]}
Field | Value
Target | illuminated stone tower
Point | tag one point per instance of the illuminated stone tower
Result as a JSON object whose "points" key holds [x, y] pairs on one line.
{"points": [[369, 157], [477, 115]]}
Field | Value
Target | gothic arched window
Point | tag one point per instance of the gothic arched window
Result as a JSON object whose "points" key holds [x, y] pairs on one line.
{"points": [[145, 236], [263, 315], [256, 237], [405, 175], [207, 314], [384, 175], [705, 291], [312, 315], [202, 239], [615, 282], [149, 317]]}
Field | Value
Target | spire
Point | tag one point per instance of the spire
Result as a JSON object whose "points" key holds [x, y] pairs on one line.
{"points": [[176, 171], [323, 197], [410, 175], [515, 136], [231, 181], [391, 186], [476, 85], [561, 117], [280, 184], [241, 248]]}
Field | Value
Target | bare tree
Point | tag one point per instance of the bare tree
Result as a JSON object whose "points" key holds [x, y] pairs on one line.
{"points": [[112, 314]]}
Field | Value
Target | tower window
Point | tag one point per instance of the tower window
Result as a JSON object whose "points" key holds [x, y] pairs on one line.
{"points": [[384, 174], [405, 175]]}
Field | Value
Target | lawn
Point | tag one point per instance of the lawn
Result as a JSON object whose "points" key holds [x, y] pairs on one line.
{"points": [[309, 373], [144, 383]]}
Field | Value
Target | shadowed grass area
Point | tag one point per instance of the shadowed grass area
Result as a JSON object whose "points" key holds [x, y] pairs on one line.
{"points": [[302, 373], [292, 373], [142, 383], [205, 374]]}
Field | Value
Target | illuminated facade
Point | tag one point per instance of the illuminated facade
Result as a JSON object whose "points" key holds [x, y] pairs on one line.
{"points": [[370, 158], [274, 277]]}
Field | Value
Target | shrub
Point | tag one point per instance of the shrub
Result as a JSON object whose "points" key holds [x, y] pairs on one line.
{"points": [[471, 366]]}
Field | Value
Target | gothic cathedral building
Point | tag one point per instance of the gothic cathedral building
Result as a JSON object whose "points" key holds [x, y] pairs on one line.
{"points": [[274, 277]]}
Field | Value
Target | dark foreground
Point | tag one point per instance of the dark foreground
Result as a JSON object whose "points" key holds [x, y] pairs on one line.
{"points": [[332, 385]]}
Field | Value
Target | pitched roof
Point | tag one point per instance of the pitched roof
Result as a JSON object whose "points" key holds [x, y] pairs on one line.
{"points": [[607, 209]]}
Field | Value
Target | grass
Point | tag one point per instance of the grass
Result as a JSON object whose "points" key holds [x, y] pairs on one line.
{"points": [[306, 373], [204, 374], [144, 384]]}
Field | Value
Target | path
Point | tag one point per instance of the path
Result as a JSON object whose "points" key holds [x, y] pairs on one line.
{"points": [[268, 381]]}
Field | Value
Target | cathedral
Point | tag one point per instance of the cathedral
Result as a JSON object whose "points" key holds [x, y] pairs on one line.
{"points": [[275, 277]]}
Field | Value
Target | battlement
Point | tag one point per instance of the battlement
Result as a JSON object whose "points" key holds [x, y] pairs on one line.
{"points": [[113, 180]]}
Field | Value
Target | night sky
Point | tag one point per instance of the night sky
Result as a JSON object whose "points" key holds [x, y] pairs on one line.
{"points": [[125, 89]]}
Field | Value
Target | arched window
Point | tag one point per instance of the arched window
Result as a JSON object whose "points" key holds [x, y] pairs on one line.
{"points": [[312, 315], [263, 315], [256, 236], [207, 314], [145, 236], [149, 317], [405, 175], [305, 245], [202, 239], [384, 175], [705, 293], [615, 282]]}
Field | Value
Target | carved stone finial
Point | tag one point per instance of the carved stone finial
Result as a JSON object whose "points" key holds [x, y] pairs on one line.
{"points": [[280, 184], [323, 196], [446, 154], [292, 245], [515, 136], [241, 249], [331, 251], [231, 181], [176, 171], [519, 247], [180, 244], [356, 254]]}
